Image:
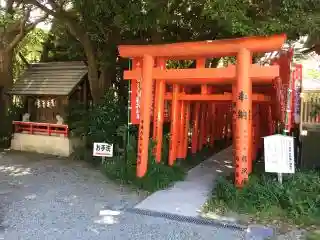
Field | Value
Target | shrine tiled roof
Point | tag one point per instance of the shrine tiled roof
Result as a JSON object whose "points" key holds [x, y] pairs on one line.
{"points": [[51, 78]]}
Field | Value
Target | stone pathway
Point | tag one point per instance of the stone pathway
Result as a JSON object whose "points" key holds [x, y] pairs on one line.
{"points": [[187, 197]]}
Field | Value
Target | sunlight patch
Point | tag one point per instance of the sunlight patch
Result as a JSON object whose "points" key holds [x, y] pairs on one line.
{"points": [[108, 217], [228, 166], [31, 197], [15, 170]]}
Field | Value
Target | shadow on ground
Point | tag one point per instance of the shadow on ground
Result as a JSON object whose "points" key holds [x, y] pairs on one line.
{"points": [[42, 195]]}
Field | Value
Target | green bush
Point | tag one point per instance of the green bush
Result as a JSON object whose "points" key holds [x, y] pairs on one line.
{"points": [[100, 122], [158, 176], [106, 122], [297, 199], [6, 128], [315, 235]]}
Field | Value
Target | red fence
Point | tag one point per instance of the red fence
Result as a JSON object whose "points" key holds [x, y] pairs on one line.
{"points": [[44, 128]]}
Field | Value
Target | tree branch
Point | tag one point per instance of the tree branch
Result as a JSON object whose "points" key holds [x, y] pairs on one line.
{"points": [[25, 29], [21, 34], [43, 8], [9, 6], [309, 50], [24, 60], [54, 5]]}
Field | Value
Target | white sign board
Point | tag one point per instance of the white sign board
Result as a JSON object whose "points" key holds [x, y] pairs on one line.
{"points": [[279, 154], [102, 150]]}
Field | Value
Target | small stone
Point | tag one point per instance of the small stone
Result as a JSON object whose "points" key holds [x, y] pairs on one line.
{"points": [[259, 232], [93, 230], [5, 191], [30, 197], [107, 220], [109, 213]]}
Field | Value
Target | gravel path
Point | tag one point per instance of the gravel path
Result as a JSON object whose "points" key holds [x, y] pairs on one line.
{"points": [[43, 197]]}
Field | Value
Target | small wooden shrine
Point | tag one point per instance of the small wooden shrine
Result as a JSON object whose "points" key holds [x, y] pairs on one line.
{"points": [[46, 90]]}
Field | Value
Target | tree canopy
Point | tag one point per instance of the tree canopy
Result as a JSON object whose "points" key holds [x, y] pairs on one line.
{"points": [[100, 25], [16, 21], [29, 50]]}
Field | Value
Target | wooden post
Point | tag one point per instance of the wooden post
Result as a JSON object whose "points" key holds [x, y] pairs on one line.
{"points": [[186, 131], [258, 129], [195, 129], [174, 130], [213, 124], [144, 127], [218, 122], [202, 125], [254, 132], [234, 118], [159, 102], [244, 112], [155, 112], [182, 127], [209, 124], [270, 121], [135, 88], [201, 63]]}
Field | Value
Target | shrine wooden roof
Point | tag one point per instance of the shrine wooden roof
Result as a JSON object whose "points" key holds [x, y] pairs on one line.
{"points": [[51, 78]]}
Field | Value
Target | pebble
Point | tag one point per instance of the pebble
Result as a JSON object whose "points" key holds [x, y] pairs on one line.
{"points": [[31, 197]]}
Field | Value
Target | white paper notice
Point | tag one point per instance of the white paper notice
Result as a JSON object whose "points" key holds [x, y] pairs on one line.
{"points": [[279, 154]]}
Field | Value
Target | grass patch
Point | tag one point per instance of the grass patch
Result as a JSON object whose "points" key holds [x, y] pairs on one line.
{"points": [[122, 169], [297, 201], [313, 235], [159, 175]]}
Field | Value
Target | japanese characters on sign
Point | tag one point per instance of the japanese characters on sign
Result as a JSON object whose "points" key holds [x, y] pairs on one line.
{"points": [[137, 100], [102, 150], [242, 114], [242, 96], [136, 87], [279, 154]]}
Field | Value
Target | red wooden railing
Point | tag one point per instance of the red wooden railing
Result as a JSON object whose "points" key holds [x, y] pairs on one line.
{"points": [[44, 128]]}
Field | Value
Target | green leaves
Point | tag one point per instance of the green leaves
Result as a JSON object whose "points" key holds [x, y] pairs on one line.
{"points": [[101, 122], [297, 199], [244, 17], [30, 48]]}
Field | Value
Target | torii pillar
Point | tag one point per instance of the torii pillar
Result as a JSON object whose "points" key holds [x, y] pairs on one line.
{"points": [[144, 126], [243, 140]]}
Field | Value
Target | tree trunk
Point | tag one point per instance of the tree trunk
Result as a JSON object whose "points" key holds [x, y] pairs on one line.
{"points": [[93, 74], [108, 71], [6, 80], [107, 74], [156, 36], [45, 50], [89, 50]]}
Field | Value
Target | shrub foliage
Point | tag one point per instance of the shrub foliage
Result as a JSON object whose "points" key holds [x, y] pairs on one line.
{"points": [[107, 122], [297, 200]]}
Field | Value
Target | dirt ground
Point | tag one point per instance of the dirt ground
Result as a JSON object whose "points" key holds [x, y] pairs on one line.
{"points": [[42, 194]]}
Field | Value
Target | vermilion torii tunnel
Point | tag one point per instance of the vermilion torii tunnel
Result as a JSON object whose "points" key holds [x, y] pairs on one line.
{"points": [[242, 101]]}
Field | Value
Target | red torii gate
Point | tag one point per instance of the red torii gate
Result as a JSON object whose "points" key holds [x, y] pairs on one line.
{"points": [[241, 77]]}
